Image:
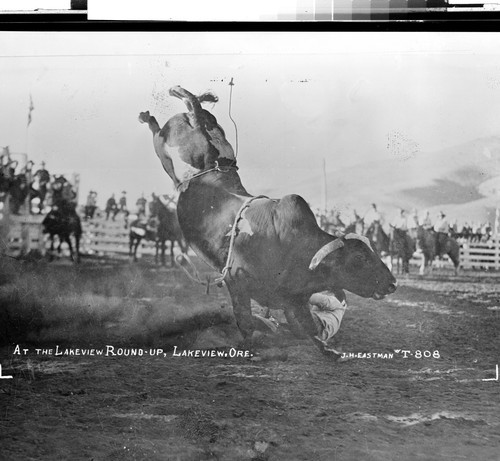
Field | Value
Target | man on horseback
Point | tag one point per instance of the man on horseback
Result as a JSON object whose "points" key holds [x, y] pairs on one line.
{"points": [[442, 227], [42, 178], [427, 221], [401, 222]]}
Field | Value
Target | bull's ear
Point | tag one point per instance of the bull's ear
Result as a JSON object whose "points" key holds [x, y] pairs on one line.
{"points": [[325, 251]]}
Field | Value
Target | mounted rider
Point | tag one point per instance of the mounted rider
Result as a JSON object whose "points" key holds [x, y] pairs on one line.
{"points": [[42, 180], [442, 228], [427, 221], [372, 217], [401, 222]]}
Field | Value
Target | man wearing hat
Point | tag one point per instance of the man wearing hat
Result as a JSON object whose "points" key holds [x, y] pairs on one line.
{"points": [[42, 177], [401, 222], [123, 203], [372, 216], [91, 205], [442, 227]]}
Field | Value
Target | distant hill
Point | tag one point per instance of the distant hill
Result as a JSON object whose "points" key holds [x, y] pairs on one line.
{"points": [[463, 181]]}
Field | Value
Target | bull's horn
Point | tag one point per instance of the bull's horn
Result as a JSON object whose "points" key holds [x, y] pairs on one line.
{"points": [[359, 237], [325, 251]]}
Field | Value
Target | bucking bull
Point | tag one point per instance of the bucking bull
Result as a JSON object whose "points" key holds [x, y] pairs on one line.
{"points": [[271, 251]]}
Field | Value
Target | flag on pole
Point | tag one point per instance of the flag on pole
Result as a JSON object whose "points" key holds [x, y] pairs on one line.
{"points": [[30, 110]]}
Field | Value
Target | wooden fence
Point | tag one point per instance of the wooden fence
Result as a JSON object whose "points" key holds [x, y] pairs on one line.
{"points": [[101, 237], [480, 255]]}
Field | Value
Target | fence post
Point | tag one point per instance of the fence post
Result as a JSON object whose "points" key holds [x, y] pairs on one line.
{"points": [[464, 255], [497, 253]]}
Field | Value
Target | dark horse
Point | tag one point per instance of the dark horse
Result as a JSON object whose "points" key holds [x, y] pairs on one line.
{"points": [[402, 247], [380, 241], [163, 226], [435, 244], [63, 221]]}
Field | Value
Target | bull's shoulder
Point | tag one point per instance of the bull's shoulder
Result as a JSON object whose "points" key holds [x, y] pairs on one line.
{"points": [[293, 214]]}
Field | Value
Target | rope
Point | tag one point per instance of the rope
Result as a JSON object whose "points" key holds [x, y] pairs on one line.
{"points": [[231, 84], [201, 173], [227, 267]]}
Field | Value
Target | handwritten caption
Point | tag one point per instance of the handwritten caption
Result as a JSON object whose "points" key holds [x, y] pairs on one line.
{"points": [[112, 351]]}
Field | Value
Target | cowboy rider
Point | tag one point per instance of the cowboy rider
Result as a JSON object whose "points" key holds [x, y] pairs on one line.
{"points": [[442, 228], [401, 222]]}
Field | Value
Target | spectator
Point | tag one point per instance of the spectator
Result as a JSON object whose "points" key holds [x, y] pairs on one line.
{"points": [[123, 204], [91, 205], [141, 206], [111, 207], [42, 180]]}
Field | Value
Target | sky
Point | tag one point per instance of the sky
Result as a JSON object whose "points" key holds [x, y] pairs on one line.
{"points": [[300, 100]]}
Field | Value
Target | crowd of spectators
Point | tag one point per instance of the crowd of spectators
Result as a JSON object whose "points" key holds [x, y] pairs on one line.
{"points": [[35, 189], [405, 220]]}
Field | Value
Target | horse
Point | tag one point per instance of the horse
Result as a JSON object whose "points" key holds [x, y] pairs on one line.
{"points": [[63, 221], [169, 229], [163, 226], [141, 229], [402, 246], [357, 226], [435, 244], [380, 241]]}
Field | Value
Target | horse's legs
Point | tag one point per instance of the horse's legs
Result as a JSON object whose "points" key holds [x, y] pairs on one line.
{"points": [[421, 270], [67, 239], [172, 261], [157, 250], [137, 242], [77, 249]]}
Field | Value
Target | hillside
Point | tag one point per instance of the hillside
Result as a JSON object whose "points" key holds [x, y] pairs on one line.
{"points": [[464, 181]]}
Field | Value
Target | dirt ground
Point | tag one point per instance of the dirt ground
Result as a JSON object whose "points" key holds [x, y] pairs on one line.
{"points": [[286, 402]]}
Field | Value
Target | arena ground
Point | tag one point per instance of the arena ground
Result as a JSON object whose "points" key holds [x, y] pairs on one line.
{"points": [[420, 387]]}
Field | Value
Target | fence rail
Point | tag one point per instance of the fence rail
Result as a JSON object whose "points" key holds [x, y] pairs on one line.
{"points": [[99, 237]]}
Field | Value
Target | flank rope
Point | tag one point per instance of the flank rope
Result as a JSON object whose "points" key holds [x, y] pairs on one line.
{"points": [[234, 230]]}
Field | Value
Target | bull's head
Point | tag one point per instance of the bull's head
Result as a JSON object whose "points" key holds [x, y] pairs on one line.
{"points": [[350, 263]]}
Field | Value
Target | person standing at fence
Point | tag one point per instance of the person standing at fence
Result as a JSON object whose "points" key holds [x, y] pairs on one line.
{"points": [[123, 204], [141, 206], [91, 205], [111, 207]]}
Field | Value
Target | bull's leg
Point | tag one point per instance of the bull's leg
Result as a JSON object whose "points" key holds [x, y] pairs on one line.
{"points": [[242, 311], [294, 324]]}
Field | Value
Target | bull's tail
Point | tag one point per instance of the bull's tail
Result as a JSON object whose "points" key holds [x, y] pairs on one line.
{"points": [[145, 117]]}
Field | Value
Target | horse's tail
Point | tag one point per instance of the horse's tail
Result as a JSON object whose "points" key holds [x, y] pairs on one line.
{"points": [[453, 251]]}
